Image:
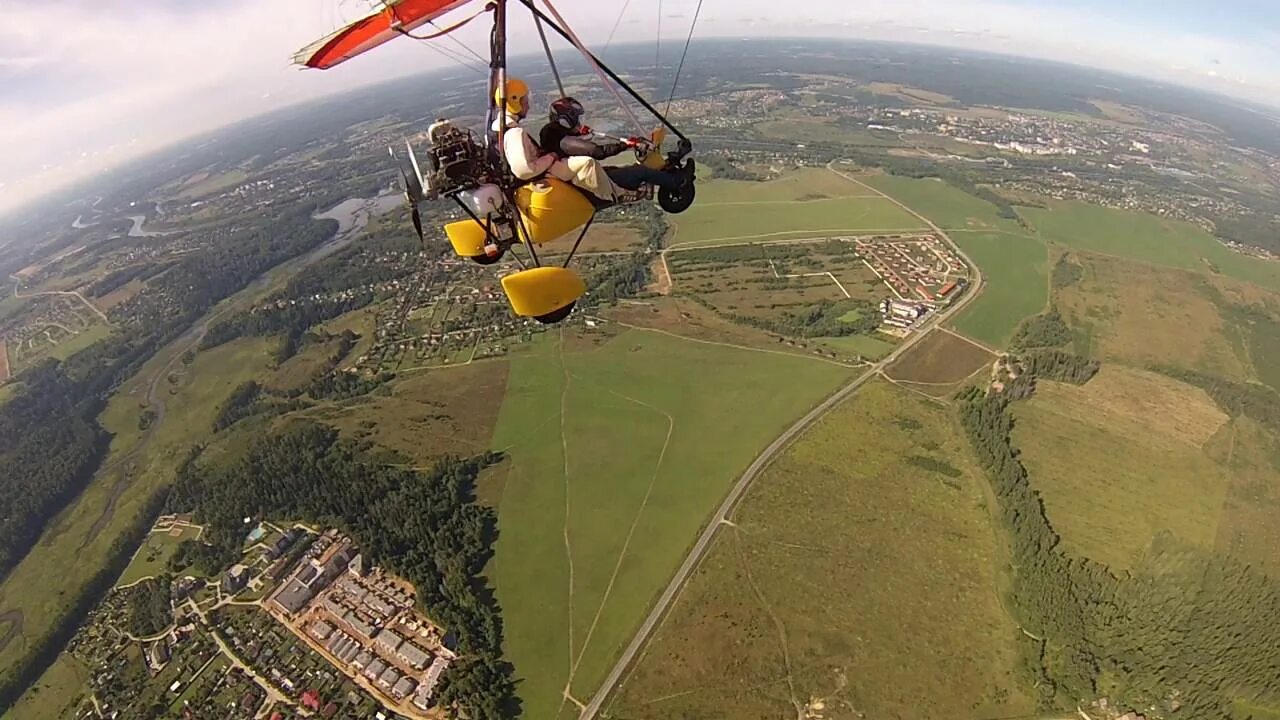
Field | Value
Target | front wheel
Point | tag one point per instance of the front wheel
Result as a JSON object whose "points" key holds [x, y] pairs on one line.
{"points": [[556, 316], [676, 201], [488, 259]]}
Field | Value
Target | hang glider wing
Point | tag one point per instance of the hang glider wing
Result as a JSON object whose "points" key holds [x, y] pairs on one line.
{"points": [[373, 30]]}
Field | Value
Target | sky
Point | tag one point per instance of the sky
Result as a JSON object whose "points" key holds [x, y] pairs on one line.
{"points": [[86, 84]]}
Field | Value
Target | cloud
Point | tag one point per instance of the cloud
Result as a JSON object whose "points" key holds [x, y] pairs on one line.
{"points": [[85, 84]]}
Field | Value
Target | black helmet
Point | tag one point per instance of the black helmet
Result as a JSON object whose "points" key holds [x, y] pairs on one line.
{"points": [[567, 113]]}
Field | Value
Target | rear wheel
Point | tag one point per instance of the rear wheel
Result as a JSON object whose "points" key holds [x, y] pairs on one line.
{"points": [[676, 201], [556, 316], [488, 259]]}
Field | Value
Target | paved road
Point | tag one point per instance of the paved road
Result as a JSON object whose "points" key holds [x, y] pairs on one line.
{"points": [[726, 508]]}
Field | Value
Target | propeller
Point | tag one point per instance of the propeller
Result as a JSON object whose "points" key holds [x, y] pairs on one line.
{"points": [[411, 197]]}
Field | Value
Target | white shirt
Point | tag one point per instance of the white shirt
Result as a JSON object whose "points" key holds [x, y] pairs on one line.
{"points": [[521, 152]]}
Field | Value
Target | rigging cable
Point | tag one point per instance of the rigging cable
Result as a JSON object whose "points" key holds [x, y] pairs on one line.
{"points": [[551, 60], [449, 55], [616, 23], [676, 81], [657, 51], [483, 60], [586, 54]]}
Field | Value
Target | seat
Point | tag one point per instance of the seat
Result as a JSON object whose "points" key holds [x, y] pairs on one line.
{"points": [[551, 208]]}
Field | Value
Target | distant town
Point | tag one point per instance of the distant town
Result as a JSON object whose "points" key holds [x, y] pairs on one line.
{"points": [[304, 624]]}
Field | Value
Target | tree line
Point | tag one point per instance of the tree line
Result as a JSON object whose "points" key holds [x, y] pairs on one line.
{"points": [[1183, 632], [425, 527], [1045, 330]]}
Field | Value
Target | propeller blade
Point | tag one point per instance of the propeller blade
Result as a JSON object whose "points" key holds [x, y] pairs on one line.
{"points": [[417, 223]]}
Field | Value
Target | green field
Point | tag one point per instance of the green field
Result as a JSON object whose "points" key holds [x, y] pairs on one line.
{"points": [[799, 184], [1016, 273], [867, 346], [1122, 459], [612, 473], [717, 223], [1148, 238], [861, 574], [153, 557], [1249, 529], [78, 540], [948, 207]]}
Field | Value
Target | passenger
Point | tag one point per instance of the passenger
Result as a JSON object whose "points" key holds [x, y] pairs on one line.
{"points": [[565, 135], [527, 160]]}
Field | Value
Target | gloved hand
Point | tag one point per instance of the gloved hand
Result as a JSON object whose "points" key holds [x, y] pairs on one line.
{"points": [[615, 147]]}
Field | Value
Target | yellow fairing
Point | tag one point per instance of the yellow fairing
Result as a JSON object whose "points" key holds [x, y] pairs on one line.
{"points": [[467, 237], [551, 209], [538, 291]]}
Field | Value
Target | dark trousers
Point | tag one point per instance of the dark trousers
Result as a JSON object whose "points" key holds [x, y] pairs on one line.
{"points": [[631, 177]]}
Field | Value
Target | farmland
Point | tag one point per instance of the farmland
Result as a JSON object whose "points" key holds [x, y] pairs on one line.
{"points": [[852, 589], [765, 281], [1016, 270], [940, 359], [1147, 238], [609, 480], [948, 207], [1122, 459], [792, 206]]}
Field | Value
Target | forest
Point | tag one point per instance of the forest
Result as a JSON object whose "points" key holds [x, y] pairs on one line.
{"points": [[147, 607], [1045, 330], [49, 450], [1186, 631], [345, 280], [425, 527]]}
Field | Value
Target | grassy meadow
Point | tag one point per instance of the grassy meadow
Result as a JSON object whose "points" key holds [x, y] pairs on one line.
{"points": [[619, 449], [1141, 315], [1147, 238], [859, 579], [806, 201], [1122, 459], [152, 558]]}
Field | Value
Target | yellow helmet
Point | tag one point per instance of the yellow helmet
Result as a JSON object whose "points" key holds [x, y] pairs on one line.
{"points": [[515, 91]]}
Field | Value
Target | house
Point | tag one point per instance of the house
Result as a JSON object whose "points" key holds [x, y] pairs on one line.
{"points": [[311, 700], [414, 655], [159, 654], [235, 579], [403, 687]]}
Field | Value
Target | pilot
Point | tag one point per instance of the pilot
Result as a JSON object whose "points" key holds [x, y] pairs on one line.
{"points": [[565, 136], [527, 160]]}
